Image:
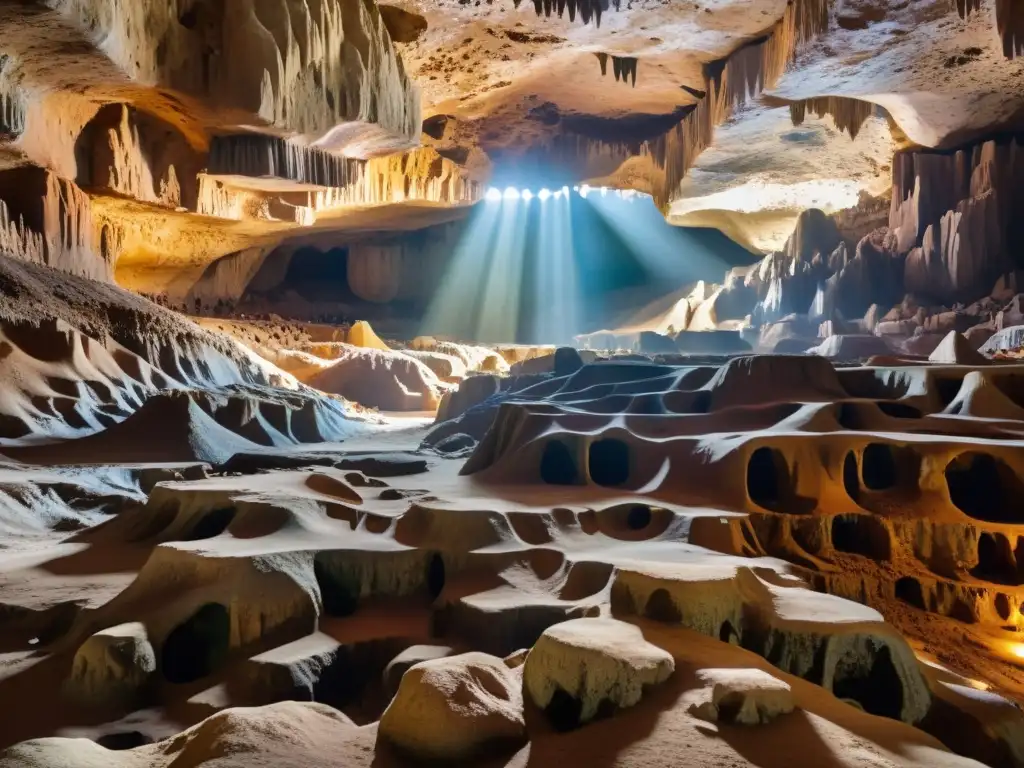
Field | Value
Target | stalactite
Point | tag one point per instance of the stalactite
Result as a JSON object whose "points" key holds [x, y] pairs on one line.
{"points": [[417, 175], [12, 113], [623, 67], [259, 155], [587, 9], [729, 84], [304, 66], [1009, 22], [848, 114]]}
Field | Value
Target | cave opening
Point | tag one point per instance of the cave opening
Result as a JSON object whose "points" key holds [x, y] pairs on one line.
{"points": [[767, 477], [1003, 607], [908, 589], [859, 534], [435, 576], [197, 646], [851, 476], [608, 460], [319, 275], [996, 561], [871, 680], [340, 589], [564, 710], [878, 467], [211, 524], [661, 607], [984, 487], [638, 517], [557, 464]]}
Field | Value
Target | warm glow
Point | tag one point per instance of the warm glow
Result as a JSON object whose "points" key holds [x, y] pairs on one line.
{"points": [[1017, 649]]}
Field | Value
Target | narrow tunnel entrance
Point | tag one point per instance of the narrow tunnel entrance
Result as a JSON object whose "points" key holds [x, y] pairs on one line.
{"points": [[984, 487], [198, 646], [609, 462], [871, 680], [557, 465]]}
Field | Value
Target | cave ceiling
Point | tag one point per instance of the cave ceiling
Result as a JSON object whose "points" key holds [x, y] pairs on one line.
{"points": [[146, 139]]}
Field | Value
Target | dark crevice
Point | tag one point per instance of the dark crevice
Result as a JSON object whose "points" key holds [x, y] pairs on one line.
{"points": [[878, 467], [996, 562], [851, 476], [211, 524], [985, 488], [435, 576], [198, 646], [861, 535], [872, 682], [766, 472], [908, 589], [557, 465], [339, 591], [638, 518], [609, 462], [661, 607]]}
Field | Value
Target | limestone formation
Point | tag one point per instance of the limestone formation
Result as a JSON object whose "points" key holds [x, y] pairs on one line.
{"points": [[455, 708], [580, 666]]}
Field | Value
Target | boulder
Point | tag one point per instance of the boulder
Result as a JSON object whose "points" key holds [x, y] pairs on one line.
{"points": [[113, 666], [743, 697], [579, 667], [455, 708]]}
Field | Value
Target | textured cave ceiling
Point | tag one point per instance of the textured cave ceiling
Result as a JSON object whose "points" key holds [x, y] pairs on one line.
{"points": [[146, 137]]}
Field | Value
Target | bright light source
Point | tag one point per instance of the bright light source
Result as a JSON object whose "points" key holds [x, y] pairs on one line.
{"points": [[511, 193], [558, 194], [604, 191], [565, 191], [575, 189], [493, 194], [585, 190], [1017, 649], [544, 194], [526, 195]]}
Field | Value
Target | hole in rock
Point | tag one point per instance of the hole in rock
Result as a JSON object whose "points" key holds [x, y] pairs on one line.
{"points": [[557, 465], [661, 607], [908, 589], [767, 475], [123, 740], [189, 18], [727, 633], [639, 517], [609, 462], [1003, 607], [564, 710], [211, 524], [861, 535], [435, 576], [851, 476], [947, 390], [878, 467], [995, 560], [985, 488], [899, 410], [339, 591], [198, 646], [871, 680]]}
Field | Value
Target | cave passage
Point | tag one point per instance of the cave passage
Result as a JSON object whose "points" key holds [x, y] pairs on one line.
{"points": [[198, 646], [984, 487]]}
